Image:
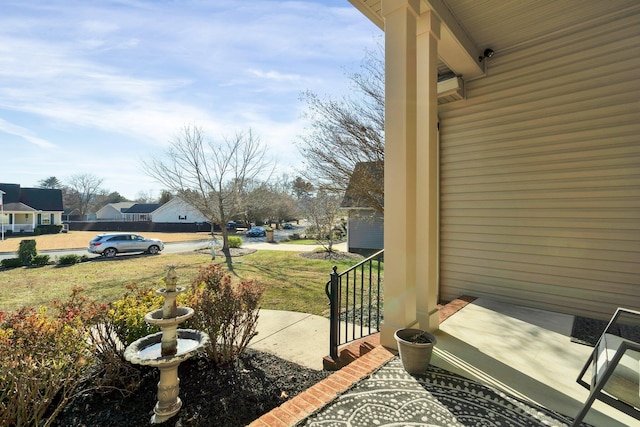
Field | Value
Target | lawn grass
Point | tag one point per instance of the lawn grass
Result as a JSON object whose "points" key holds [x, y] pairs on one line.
{"points": [[300, 242], [293, 283]]}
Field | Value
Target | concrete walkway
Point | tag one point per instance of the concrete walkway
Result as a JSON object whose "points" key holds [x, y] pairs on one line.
{"points": [[342, 247], [298, 337]]}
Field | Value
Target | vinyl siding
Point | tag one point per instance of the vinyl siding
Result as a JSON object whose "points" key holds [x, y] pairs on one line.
{"points": [[365, 230], [175, 211], [540, 175]]}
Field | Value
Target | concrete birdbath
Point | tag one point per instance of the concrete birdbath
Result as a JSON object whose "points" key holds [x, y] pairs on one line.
{"points": [[165, 350]]}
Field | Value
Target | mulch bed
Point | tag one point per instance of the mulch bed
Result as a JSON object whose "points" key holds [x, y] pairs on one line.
{"points": [[211, 396], [331, 256]]}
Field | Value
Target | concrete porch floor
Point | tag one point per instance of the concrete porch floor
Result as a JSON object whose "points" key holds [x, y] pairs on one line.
{"points": [[522, 351]]}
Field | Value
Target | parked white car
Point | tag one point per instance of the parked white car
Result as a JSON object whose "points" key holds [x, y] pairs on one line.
{"points": [[111, 244]]}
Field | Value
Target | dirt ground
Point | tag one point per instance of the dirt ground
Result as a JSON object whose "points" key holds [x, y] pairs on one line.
{"points": [[80, 239]]}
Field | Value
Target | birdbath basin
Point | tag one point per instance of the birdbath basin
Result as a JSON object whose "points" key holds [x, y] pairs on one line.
{"points": [[147, 350], [155, 317]]}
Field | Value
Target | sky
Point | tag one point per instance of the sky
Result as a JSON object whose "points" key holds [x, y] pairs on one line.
{"points": [[98, 87]]}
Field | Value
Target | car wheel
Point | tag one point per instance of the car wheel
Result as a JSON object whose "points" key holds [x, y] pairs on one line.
{"points": [[153, 250], [110, 252]]}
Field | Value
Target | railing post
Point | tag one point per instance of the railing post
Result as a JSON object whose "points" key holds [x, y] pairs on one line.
{"points": [[334, 319]]}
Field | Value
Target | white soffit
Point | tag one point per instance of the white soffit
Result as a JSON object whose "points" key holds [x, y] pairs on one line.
{"points": [[456, 49], [470, 26]]}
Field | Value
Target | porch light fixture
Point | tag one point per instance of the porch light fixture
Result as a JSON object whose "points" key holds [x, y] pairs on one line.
{"points": [[488, 53]]}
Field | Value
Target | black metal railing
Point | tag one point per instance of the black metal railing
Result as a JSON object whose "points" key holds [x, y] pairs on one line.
{"points": [[355, 298]]}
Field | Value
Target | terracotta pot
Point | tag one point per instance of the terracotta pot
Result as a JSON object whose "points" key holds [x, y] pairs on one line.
{"points": [[415, 347]]}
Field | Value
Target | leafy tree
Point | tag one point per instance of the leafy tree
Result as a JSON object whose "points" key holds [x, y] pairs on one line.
{"points": [[346, 132], [211, 176], [104, 198], [165, 196], [302, 188], [52, 182]]}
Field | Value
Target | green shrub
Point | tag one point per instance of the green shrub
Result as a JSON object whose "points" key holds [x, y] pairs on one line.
{"points": [[235, 241], [11, 262], [27, 251], [47, 229], [70, 259], [40, 260], [129, 312], [227, 312]]}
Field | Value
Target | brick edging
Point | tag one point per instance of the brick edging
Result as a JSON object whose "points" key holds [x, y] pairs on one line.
{"points": [[315, 398]]}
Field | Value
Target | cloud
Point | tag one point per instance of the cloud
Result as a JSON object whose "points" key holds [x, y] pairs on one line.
{"points": [[24, 134], [108, 80]]}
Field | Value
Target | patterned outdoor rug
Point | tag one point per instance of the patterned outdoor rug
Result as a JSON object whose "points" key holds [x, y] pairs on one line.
{"points": [[392, 397]]}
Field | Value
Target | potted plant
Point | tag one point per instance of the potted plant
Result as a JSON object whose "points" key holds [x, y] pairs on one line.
{"points": [[415, 347]]}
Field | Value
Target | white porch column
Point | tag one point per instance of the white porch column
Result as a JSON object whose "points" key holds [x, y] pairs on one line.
{"points": [[428, 35], [400, 167]]}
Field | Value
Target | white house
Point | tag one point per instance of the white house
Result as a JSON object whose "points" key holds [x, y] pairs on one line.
{"points": [[24, 209], [177, 210], [113, 211], [365, 225]]}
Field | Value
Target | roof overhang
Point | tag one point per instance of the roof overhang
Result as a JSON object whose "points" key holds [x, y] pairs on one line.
{"points": [[456, 49]]}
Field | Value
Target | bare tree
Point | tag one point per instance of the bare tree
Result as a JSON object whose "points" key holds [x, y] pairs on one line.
{"points": [[211, 176], [82, 191], [145, 197], [322, 211], [346, 132]]}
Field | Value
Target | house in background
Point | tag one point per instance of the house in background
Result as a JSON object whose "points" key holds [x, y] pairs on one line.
{"points": [[140, 212], [365, 225], [521, 181], [113, 211], [24, 209], [177, 210]]}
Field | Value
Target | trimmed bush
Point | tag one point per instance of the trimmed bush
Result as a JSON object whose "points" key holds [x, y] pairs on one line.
{"points": [[40, 260], [235, 241], [47, 229], [27, 251], [11, 263], [70, 259]]}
